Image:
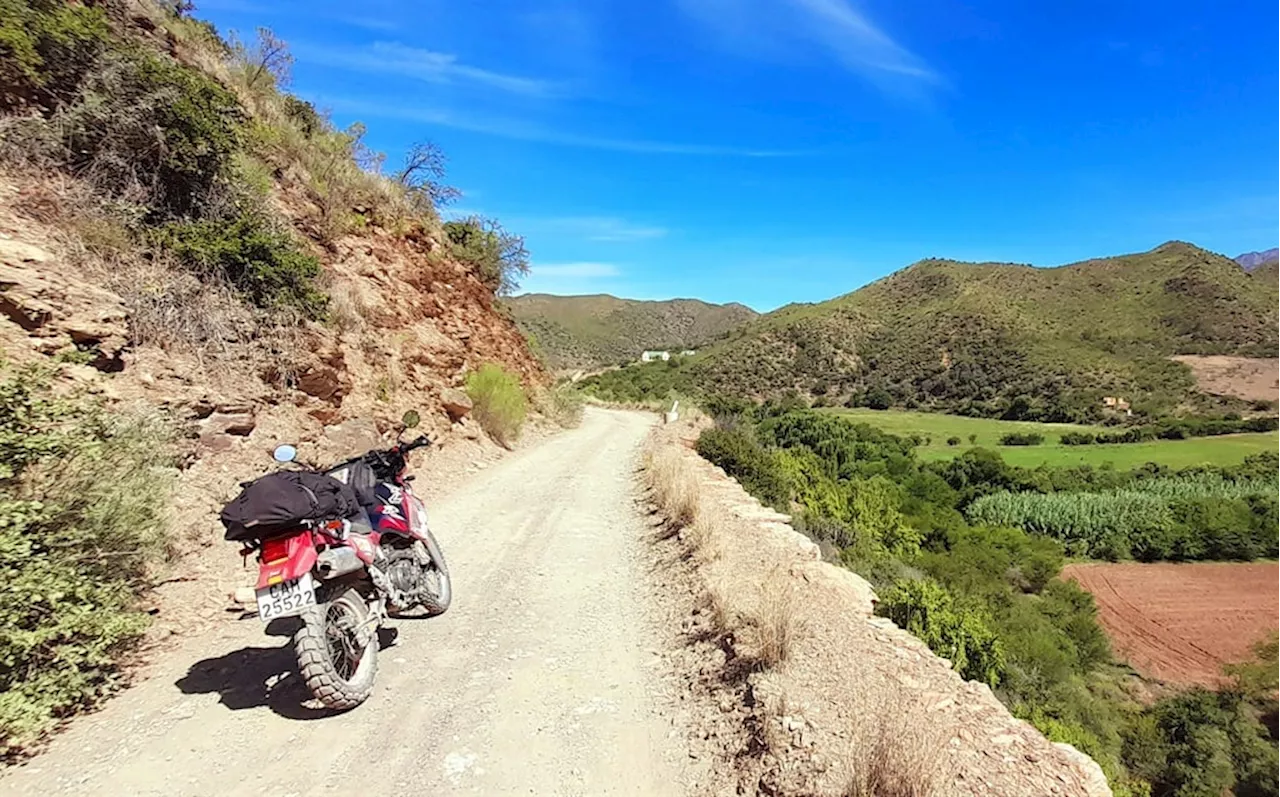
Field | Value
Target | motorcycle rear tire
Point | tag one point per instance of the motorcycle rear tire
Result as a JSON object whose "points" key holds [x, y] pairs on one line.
{"points": [[316, 660]]}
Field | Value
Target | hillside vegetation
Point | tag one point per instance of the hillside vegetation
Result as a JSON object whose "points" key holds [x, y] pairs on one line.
{"points": [[966, 555], [1007, 340], [194, 266], [596, 331]]}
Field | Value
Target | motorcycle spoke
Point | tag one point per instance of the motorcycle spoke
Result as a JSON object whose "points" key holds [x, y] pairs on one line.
{"points": [[341, 641]]}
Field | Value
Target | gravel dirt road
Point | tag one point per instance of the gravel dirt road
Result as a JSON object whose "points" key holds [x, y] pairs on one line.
{"points": [[540, 680]]}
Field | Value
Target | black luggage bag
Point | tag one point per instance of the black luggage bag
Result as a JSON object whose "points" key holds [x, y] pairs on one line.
{"points": [[280, 502]]}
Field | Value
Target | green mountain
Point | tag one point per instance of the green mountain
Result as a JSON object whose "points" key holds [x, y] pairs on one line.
{"points": [[600, 330], [1006, 339]]}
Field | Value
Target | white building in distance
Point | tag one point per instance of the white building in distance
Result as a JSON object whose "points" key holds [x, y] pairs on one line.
{"points": [[650, 356]]}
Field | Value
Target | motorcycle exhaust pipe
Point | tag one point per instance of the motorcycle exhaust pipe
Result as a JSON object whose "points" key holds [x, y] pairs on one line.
{"points": [[336, 562]]}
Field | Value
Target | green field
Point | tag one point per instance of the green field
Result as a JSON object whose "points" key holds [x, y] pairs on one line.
{"points": [[1223, 450]]}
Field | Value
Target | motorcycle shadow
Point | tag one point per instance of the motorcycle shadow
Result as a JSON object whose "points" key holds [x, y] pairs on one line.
{"points": [[257, 677]]}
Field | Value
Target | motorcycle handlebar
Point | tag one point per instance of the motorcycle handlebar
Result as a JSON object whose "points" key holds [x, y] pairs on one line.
{"points": [[421, 442]]}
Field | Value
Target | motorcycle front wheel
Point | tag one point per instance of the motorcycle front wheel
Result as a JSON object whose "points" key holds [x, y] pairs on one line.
{"points": [[420, 569], [440, 586], [337, 668]]}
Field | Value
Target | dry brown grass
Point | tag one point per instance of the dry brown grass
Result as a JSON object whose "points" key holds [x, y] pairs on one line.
{"points": [[675, 486], [560, 404], [706, 539], [168, 306], [896, 750], [718, 603], [774, 623]]}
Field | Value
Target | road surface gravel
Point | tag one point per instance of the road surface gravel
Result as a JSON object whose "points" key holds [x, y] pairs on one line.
{"points": [[540, 680]]}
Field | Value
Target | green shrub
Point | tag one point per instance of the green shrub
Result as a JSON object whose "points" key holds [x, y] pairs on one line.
{"points": [[303, 114], [1078, 438], [875, 512], [263, 262], [757, 469], [46, 48], [1022, 439], [145, 121], [639, 382], [1204, 743], [877, 398], [953, 441], [82, 499], [498, 257], [500, 402], [929, 611], [1257, 678]]}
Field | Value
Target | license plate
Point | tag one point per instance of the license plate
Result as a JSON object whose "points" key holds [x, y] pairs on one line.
{"points": [[286, 598]]}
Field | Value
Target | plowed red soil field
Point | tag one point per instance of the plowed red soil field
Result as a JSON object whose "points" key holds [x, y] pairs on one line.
{"points": [[1180, 623]]}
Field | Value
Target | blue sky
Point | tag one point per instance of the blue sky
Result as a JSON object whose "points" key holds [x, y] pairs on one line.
{"points": [[770, 151]]}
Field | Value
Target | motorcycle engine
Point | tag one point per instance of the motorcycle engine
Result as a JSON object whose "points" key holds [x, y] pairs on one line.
{"points": [[405, 575]]}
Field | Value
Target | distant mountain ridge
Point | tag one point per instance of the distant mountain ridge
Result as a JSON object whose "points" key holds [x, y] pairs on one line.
{"points": [[1251, 260], [600, 330], [975, 337]]}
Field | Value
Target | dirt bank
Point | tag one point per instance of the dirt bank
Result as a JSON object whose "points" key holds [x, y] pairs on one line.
{"points": [[819, 696]]}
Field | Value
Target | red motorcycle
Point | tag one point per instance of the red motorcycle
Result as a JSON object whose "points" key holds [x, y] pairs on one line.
{"points": [[343, 549]]}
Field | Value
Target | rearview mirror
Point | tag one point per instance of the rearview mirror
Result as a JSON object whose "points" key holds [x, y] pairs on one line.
{"points": [[285, 453], [411, 419]]}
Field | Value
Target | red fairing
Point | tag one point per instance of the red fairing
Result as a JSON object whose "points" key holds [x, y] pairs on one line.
{"points": [[365, 546], [416, 511], [286, 558]]}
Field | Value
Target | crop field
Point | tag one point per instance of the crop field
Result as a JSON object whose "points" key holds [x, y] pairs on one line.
{"points": [[1179, 623], [1222, 450]]}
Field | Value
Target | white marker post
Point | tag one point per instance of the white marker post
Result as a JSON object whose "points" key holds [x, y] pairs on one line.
{"points": [[671, 416]]}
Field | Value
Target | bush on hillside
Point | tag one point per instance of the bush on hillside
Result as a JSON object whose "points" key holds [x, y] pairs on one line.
{"points": [[82, 500], [639, 382], [422, 176], [953, 441], [1203, 742], [1257, 678], [46, 48], [877, 398], [141, 128], [261, 260], [500, 402], [928, 611], [499, 257], [742, 457]]}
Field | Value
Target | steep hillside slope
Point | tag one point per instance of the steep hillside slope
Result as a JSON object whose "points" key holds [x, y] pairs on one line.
{"points": [[973, 337], [1267, 273], [595, 331], [194, 267]]}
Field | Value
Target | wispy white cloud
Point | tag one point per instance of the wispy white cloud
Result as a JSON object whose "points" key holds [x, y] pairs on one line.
{"points": [[429, 66], [567, 279], [367, 23], [845, 32], [526, 131], [575, 270], [604, 229], [859, 43]]}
